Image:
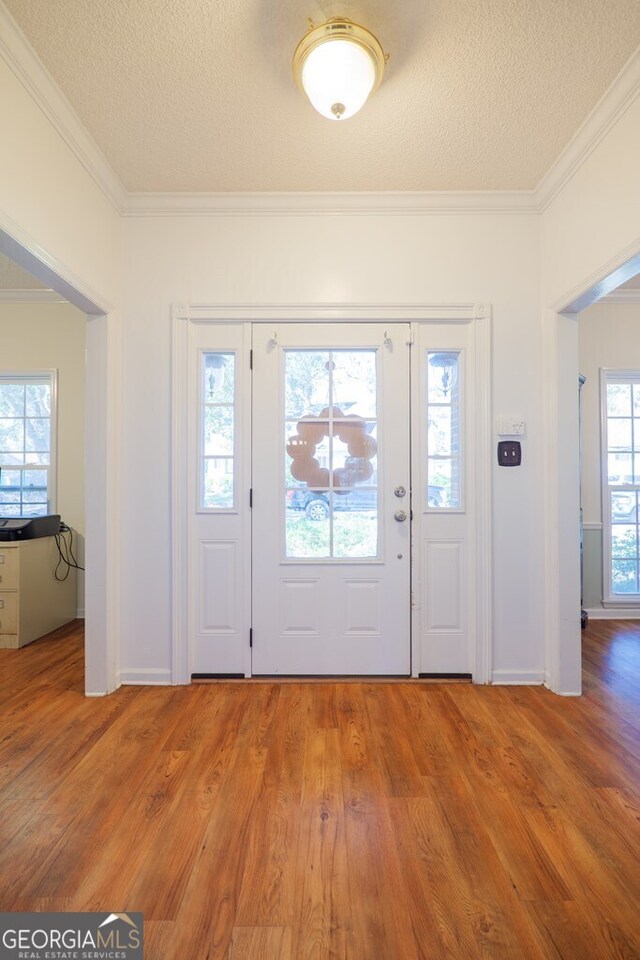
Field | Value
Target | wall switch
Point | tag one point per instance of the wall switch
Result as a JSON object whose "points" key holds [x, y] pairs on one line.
{"points": [[509, 453], [510, 427]]}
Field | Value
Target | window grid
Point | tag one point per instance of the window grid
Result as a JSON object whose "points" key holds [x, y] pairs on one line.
{"points": [[217, 431], [26, 444], [444, 469], [621, 413]]}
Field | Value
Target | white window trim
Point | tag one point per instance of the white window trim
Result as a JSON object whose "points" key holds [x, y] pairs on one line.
{"points": [[609, 599], [26, 376]]}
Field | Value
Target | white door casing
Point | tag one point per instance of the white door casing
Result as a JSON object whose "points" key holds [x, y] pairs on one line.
{"points": [[338, 613], [476, 599]]}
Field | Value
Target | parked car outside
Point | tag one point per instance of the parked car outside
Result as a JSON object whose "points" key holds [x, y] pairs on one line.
{"points": [[315, 503]]}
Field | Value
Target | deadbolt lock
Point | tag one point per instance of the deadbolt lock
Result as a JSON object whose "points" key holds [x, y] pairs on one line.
{"points": [[400, 491]]}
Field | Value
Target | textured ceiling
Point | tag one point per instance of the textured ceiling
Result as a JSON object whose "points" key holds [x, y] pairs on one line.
{"points": [[197, 95]]}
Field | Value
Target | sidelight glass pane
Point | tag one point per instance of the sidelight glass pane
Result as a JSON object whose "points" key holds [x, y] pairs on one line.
{"points": [[330, 447], [443, 441], [218, 483], [217, 431]]}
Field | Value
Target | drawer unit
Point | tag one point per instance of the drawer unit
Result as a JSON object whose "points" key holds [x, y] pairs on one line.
{"points": [[32, 601], [8, 612], [9, 562]]}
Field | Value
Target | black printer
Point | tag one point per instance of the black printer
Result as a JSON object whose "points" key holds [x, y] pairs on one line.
{"points": [[29, 528]]}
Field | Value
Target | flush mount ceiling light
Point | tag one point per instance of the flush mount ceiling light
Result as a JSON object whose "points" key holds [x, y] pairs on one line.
{"points": [[337, 65]]}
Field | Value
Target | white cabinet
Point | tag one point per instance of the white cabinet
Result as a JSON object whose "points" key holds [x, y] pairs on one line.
{"points": [[32, 601]]}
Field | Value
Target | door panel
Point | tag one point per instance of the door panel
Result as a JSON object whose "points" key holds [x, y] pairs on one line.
{"points": [[218, 482], [331, 562], [444, 474]]}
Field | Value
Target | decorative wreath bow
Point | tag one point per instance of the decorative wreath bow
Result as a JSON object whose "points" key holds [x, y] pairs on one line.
{"points": [[352, 430]]}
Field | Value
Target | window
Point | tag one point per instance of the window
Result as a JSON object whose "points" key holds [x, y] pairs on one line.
{"points": [[27, 444], [331, 463], [620, 394], [444, 488], [217, 431]]}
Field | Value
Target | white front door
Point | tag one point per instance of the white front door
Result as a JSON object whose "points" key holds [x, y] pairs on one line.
{"points": [[331, 499]]}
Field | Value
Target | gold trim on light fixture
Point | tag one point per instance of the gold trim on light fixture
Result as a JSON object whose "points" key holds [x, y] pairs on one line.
{"points": [[338, 103]]}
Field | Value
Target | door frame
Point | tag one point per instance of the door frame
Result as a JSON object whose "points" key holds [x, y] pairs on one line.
{"points": [[478, 315]]}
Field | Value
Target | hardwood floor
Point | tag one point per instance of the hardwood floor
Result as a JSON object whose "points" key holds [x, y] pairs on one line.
{"points": [[256, 821]]}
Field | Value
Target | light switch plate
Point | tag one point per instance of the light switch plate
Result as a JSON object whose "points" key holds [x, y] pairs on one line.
{"points": [[509, 453]]}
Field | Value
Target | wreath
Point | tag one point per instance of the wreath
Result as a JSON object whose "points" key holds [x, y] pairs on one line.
{"points": [[311, 430]]}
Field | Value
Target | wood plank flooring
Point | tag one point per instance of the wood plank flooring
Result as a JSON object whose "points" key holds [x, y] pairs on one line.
{"points": [[355, 821]]}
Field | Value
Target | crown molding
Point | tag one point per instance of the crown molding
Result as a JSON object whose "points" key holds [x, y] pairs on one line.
{"points": [[27, 67], [31, 296], [36, 79], [329, 204], [606, 113], [327, 311]]}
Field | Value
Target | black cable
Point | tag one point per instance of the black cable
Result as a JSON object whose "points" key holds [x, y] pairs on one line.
{"points": [[65, 553]]}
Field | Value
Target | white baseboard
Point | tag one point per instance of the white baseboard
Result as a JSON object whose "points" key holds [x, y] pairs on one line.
{"points": [[522, 677], [80, 613], [611, 613], [101, 693], [145, 676]]}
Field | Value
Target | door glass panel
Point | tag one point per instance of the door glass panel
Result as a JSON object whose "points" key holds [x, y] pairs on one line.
{"points": [[444, 452], [331, 454], [217, 431]]}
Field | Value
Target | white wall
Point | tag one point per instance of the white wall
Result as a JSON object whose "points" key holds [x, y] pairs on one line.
{"points": [[345, 259], [595, 219], [52, 209], [39, 336], [47, 192], [587, 232]]}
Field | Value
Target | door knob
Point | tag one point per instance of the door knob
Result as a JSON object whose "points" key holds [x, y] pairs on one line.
{"points": [[400, 516]]}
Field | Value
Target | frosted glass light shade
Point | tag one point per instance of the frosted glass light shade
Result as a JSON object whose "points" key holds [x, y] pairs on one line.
{"points": [[337, 65]]}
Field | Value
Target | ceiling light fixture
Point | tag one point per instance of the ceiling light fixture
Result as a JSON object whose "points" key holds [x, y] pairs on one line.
{"points": [[337, 65]]}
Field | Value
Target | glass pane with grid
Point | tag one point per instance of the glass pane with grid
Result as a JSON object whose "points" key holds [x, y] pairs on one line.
{"points": [[622, 439], [217, 431], [25, 445], [444, 449], [330, 444]]}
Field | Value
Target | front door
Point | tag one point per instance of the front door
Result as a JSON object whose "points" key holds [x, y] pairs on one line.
{"points": [[331, 499]]}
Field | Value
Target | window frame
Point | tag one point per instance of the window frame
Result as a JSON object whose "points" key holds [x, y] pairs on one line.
{"points": [[26, 377], [202, 457], [460, 457], [609, 598]]}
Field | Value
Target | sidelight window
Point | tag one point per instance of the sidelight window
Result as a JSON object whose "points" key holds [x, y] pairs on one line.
{"points": [[217, 431]]}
